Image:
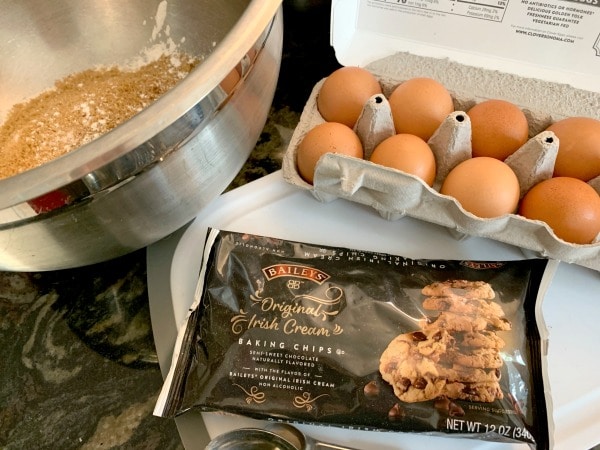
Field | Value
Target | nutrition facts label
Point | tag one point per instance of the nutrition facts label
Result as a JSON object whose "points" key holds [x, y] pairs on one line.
{"points": [[479, 9]]}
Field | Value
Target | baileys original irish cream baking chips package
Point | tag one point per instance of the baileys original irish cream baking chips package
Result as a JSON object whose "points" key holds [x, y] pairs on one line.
{"points": [[302, 332]]}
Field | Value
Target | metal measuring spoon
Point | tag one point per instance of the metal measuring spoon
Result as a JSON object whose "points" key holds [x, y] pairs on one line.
{"points": [[277, 437], [301, 440], [249, 439]]}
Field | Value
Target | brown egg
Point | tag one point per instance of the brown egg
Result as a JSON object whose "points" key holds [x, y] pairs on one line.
{"points": [[569, 206], [419, 106], [579, 148], [408, 153], [499, 128], [344, 93], [328, 137], [484, 186], [231, 81]]}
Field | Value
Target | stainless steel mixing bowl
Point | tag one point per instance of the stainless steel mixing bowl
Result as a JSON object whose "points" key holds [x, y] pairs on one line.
{"points": [[151, 175]]}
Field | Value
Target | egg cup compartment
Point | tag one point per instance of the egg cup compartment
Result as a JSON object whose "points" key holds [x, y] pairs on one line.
{"points": [[395, 194]]}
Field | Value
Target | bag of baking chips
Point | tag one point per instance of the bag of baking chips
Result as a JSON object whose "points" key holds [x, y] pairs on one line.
{"points": [[323, 335]]}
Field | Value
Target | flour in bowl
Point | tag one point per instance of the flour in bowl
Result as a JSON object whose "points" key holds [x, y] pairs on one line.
{"points": [[81, 107]]}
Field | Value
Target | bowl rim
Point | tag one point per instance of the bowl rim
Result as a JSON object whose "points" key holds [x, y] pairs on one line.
{"points": [[141, 127]]}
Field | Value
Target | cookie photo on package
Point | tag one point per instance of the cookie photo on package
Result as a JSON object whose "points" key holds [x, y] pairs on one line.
{"points": [[308, 333]]}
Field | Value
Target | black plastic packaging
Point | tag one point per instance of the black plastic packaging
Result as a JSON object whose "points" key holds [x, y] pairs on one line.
{"points": [[310, 333]]}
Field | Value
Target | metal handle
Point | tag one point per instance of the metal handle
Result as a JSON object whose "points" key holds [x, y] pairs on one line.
{"points": [[326, 446], [313, 444]]}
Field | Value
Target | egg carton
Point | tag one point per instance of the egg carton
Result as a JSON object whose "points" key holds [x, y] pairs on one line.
{"points": [[395, 194]]}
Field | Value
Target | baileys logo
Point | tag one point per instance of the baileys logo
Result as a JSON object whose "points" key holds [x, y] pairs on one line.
{"points": [[293, 315], [295, 270]]}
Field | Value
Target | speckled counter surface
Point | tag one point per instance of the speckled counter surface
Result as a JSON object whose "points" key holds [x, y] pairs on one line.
{"points": [[78, 367]]}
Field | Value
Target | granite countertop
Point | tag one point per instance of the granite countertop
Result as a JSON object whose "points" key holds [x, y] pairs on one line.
{"points": [[79, 367]]}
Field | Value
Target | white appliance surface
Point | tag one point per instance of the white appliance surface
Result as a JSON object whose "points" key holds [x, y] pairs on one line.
{"points": [[270, 206]]}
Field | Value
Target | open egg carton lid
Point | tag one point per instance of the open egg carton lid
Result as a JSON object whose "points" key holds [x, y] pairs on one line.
{"points": [[550, 68]]}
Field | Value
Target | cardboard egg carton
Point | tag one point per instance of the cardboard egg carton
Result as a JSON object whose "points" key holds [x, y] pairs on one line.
{"points": [[394, 194]]}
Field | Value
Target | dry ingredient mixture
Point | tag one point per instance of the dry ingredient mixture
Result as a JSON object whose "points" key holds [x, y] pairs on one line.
{"points": [[81, 107]]}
